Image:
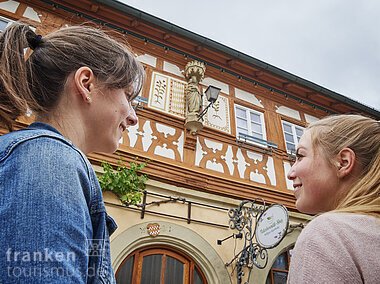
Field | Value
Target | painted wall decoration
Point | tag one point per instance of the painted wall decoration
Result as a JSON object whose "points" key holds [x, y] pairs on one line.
{"points": [[167, 94], [158, 91], [218, 116], [177, 98]]}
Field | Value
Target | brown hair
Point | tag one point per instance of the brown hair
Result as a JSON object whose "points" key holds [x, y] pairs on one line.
{"points": [[362, 135], [37, 82]]}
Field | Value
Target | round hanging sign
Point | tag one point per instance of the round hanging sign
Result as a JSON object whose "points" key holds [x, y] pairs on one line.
{"points": [[272, 226]]}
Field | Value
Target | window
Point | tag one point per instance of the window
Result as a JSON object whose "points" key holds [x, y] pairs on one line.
{"points": [[280, 268], [250, 123], [292, 135], [4, 22], [159, 266]]}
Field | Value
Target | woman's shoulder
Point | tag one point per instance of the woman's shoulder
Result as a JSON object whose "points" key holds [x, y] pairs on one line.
{"points": [[36, 142], [342, 219], [341, 225]]}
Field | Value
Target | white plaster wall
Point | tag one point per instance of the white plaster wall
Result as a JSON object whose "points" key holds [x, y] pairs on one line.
{"points": [[164, 151], [210, 81], [242, 164], [132, 134], [271, 171], [174, 69], [248, 97], [289, 183], [10, 6], [147, 59], [229, 159], [180, 143], [199, 153], [254, 158], [31, 14], [288, 112], [309, 118]]}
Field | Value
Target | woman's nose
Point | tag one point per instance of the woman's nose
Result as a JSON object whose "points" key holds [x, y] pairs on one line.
{"points": [[291, 174], [132, 117]]}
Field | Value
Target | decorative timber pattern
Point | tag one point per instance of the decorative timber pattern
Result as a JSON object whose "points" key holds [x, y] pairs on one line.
{"points": [[237, 162], [155, 139], [168, 142]]}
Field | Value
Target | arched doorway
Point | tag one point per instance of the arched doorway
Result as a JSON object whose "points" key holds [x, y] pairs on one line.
{"points": [[159, 265], [176, 237]]}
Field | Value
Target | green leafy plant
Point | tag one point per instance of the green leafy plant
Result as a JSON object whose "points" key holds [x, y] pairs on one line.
{"points": [[126, 182]]}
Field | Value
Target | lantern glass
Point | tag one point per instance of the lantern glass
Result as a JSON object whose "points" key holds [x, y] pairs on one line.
{"points": [[212, 93]]}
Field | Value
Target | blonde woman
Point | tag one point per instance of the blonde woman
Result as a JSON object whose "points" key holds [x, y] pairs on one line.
{"points": [[80, 83], [337, 176]]}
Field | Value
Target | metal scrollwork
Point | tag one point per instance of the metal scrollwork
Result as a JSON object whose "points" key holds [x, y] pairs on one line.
{"points": [[245, 220]]}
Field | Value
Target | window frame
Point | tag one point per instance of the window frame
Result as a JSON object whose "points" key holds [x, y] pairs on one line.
{"points": [[248, 112], [189, 264], [7, 20], [273, 270]]}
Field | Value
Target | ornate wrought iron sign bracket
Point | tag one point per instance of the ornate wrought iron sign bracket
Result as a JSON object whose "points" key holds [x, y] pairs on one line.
{"points": [[261, 228]]}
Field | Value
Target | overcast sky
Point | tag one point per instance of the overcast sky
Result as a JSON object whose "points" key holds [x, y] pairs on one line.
{"points": [[333, 43]]}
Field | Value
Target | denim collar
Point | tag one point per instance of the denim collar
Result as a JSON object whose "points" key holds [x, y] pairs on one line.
{"points": [[45, 126]]}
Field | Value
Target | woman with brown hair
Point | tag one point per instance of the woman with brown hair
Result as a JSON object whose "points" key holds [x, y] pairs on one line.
{"points": [[79, 82]]}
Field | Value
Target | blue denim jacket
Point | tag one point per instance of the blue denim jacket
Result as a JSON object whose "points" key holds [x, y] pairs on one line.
{"points": [[53, 223]]}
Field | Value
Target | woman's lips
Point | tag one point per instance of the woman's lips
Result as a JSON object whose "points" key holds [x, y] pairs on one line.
{"points": [[297, 189]]}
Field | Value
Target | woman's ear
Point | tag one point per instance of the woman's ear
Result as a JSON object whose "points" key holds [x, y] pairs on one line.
{"points": [[84, 80], [345, 162]]}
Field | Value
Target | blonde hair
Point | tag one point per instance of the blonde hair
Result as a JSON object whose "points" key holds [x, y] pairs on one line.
{"points": [[362, 135], [37, 82]]}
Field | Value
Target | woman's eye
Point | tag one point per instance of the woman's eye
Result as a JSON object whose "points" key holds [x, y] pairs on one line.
{"points": [[299, 156]]}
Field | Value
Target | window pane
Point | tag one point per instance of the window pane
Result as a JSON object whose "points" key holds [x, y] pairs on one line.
{"points": [[241, 130], [151, 272], [290, 147], [197, 277], [289, 138], [242, 123], [287, 127], [124, 274], [3, 24], [174, 271], [255, 117], [256, 128], [241, 113], [281, 262], [280, 277], [299, 133]]}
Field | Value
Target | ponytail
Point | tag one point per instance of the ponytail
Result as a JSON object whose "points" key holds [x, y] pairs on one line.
{"points": [[15, 94]]}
